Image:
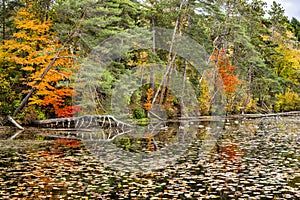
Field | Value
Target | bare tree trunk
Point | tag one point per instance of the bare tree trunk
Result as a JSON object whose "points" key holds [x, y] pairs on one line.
{"points": [[164, 90], [153, 50], [170, 61], [182, 105], [3, 21], [14, 122]]}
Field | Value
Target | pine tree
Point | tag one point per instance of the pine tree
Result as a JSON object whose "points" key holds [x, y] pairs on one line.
{"points": [[278, 20], [98, 20], [296, 28]]}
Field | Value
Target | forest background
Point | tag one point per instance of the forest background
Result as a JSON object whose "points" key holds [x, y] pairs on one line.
{"points": [[257, 57]]}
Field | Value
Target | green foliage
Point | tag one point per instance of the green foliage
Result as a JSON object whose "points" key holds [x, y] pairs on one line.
{"points": [[296, 28], [98, 20], [138, 112], [8, 8]]}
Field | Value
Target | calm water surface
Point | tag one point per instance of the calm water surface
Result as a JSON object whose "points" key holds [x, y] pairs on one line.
{"points": [[235, 159]]}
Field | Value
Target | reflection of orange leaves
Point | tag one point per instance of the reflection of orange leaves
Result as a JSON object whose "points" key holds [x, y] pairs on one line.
{"points": [[231, 152], [150, 146], [61, 142], [56, 153], [69, 143]]}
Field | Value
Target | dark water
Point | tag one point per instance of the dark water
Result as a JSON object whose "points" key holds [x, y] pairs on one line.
{"points": [[252, 159]]}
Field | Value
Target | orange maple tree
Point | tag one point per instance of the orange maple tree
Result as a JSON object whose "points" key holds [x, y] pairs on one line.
{"points": [[31, 49], [226, 70], [148, 104]]}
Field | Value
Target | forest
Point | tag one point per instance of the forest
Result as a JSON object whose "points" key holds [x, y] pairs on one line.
{"points": [[149, 99], [254, 50]]}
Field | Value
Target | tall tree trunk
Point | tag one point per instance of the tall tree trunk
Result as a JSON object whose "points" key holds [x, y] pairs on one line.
{"points": [[182, 105], [153, 50], [169, 66], [171, 60], [3, 21]]}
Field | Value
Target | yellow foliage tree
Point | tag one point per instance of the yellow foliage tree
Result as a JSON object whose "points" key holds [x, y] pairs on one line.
{"points": [[288, 101], [204, 99], [288, 64], [148, 104], [287, 67], [30, 51]]}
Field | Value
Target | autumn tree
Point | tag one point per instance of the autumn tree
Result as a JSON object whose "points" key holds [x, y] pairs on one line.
{"points": [[29, 52], [9, 82], [228, 80]]}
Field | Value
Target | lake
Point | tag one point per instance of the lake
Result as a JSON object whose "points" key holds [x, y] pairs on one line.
{"points": [[218, 159]]}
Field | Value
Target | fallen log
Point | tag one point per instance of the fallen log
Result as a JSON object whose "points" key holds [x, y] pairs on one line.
{"points": [[9, 118], [282, 114], [91, 121], [238, 116], [83, 122]]}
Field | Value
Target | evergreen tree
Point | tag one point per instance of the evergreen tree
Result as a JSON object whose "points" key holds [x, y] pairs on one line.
{"points": [[296, 28], [98, 20], [277, 19], [8, 8]]}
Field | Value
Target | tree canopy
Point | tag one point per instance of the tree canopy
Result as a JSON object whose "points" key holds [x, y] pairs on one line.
{"points": [[257, 56]]}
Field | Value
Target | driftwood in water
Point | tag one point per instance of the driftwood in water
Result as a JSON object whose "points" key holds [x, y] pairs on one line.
{"points": [[241, 116], [9, 118], [92, 121], [283, 114], [83, 122]]}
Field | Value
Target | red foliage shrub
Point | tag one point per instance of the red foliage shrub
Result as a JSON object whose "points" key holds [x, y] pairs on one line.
{"points": [[67, 111]]}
